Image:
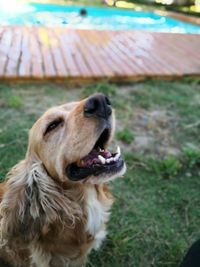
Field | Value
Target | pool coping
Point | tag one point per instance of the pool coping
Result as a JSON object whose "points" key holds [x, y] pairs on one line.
{"points": [[179, 16]]}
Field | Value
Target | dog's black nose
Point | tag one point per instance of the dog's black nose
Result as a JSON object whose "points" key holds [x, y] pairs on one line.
{"points": [[98, 106]]}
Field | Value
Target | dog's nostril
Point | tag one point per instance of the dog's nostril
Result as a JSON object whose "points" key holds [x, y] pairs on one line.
{"points": [[98, 105], [90, 107], [109, 111]]}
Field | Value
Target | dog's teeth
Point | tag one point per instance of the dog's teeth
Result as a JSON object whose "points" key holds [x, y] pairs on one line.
{"points": [[108, 160], [118, 150], [102, 159], [81, 163], [117, 156]]}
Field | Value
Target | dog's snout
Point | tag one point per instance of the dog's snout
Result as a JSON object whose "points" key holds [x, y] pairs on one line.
{"points": [[98, 106]]}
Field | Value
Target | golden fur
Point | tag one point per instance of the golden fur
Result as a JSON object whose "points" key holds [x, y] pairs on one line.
{"points": [[46, 219]]}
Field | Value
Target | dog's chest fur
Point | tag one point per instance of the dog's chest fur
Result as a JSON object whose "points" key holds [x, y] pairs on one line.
{"points": [[97, 209], [84, 237]]}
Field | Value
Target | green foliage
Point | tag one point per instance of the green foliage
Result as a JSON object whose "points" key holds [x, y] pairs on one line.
{"points": [[132, 158], [191, 156], [15, 101], [87, 2], [169, 167], [125, 135], [103, 87]]}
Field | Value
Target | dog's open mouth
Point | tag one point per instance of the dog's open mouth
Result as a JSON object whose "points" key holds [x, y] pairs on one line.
{"points": [[99, 161]]}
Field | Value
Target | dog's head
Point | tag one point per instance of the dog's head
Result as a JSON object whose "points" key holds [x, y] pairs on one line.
{"points": [[71, 141]]}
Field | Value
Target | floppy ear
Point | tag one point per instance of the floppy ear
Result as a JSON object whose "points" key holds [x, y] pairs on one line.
{"points": [[32, 202]]}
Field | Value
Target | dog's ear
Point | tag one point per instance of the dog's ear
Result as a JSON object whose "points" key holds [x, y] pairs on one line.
{"points": [[32, 202]]}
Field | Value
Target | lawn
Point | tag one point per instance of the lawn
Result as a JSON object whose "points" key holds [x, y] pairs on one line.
{"points": [[156, 215]]}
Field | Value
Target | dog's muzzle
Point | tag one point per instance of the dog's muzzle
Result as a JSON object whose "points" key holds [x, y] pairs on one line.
{"points": [[99, 161]]}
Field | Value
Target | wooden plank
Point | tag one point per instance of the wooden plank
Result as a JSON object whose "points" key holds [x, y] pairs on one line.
{"points": [[140, 59], [164, 55], [36, 55], [5, 44], [98, 48], [88, 54], [188, 46], [1, 30], [25, 62], [135, 55], [154, 57], [124, 53], [67, 54], [81, 65], [176, 56], [58, 60], [48, 63], [110, 55], [14, 54], [146, 53], [94, 47]]}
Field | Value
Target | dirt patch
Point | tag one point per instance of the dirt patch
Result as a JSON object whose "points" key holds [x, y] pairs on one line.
{"points": [[154, 132], [37, 102]]}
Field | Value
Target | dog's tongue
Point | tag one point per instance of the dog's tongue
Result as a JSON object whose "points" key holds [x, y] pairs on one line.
{"points": [[93, 157], [99, 156]]}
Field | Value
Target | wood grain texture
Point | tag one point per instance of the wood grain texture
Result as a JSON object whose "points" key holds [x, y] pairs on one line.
{"points": [[61, 53]]}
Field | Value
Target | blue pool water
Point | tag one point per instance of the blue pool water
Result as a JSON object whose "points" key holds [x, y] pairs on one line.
{"points": [[97, 18]]}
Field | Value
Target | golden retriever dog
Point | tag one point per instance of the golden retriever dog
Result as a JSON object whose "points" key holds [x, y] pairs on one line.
{"points": [[55, 203]]}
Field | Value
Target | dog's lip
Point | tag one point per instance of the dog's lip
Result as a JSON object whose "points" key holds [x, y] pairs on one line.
{"points": [[76, 173]]}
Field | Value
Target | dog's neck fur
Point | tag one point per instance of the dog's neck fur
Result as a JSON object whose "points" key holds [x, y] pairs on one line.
{"points": [[98, 211]]}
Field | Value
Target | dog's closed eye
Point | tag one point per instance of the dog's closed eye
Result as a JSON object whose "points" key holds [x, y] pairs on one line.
{"points": [[53, 125]]}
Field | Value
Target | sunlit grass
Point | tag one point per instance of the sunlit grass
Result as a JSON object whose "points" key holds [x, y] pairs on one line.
{"points": [[195, 8], [124, 4], [164, 2]]}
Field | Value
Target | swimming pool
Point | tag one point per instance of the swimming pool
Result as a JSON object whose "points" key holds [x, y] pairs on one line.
{"points": [[96, 18]]}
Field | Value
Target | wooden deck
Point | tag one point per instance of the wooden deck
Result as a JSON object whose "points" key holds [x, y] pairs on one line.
{"points": [[60, 53]]}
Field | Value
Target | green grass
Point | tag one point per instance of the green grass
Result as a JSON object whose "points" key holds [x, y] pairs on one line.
{"points": [[156, 214], [125, 135], [85, 2]]}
